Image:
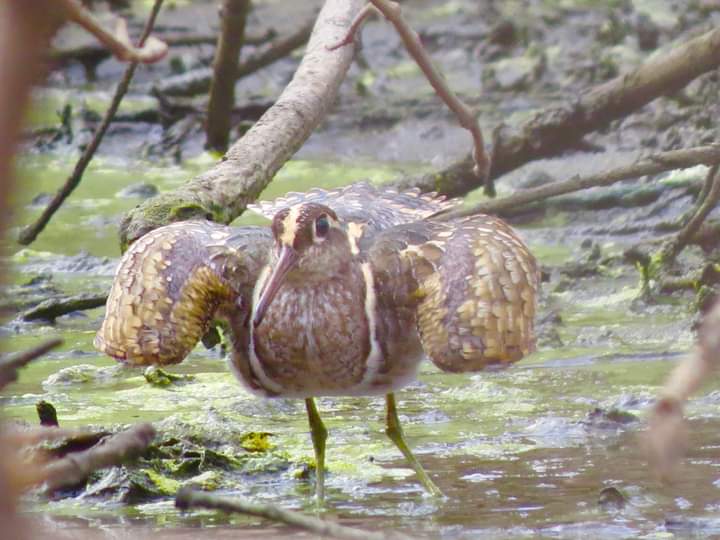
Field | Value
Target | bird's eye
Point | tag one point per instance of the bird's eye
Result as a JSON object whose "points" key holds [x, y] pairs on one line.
{"points": [[322, 225]]}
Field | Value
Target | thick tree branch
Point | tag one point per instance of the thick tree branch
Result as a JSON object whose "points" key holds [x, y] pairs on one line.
{"points": [[222, 193], [555, 130]]}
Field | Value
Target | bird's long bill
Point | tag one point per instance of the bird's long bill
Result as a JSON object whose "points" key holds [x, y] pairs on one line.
{"points": [[286, 260]]}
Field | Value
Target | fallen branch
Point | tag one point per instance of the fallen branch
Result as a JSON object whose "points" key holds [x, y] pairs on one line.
{"points": [[187, 498], [666, 438], [30, 232], [51, 309], [554, 130], [76, 467], [222, 89], [653, 164], [197, 81], [222, 193], [10, 365]]}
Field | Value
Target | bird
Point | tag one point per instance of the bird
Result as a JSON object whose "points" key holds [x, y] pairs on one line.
{"points": [[344, 295]]}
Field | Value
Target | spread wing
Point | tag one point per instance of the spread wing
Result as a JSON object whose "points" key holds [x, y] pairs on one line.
{"points": [[472, 283], [377, 208], [172, 282]]}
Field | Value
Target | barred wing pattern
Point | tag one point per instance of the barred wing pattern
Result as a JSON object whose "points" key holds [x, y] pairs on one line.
{"points": [[473, 284], [170, 284]]}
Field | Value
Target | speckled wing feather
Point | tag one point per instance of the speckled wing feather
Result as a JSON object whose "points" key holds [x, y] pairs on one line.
{"points": [[170, 284], [473, 284], [362, 203]]}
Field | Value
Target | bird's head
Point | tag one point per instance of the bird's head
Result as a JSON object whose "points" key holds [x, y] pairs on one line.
{"points": [[310, 244]]}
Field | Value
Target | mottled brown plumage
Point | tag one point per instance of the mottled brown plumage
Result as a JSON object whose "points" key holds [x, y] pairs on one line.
{"points": [[349, 292], [170, 285]]}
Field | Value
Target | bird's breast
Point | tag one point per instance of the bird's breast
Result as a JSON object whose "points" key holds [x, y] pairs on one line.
{"points": [[315, 338]]}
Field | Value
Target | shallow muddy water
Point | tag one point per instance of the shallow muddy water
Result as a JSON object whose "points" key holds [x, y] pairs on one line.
{"points": [[547, 448]]}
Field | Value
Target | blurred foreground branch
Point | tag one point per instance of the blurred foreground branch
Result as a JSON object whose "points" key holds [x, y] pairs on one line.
{"points": [[666, 439], [149, 50]]}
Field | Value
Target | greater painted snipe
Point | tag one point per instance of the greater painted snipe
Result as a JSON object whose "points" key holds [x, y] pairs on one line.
{"points": [[345, 295]]}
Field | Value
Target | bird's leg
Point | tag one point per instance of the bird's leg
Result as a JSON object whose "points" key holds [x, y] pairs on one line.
{"points": [[394, 430], [319, 434]]}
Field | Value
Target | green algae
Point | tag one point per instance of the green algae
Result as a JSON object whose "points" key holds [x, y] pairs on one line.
{"points": [[160, 377]]}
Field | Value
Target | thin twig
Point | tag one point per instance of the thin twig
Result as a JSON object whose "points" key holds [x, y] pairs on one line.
{"points": [[708, 201], [653, 164], [393, 13], [10, 365], [30, 233], [187, 498], [355, 25], [149, 50], [76, 467]]}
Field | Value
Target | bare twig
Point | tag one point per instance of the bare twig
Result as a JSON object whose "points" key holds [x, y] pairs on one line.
{"points": [[466, 118], [222, 193], [149, 50], [227, 55], [555, 130], [10, 365], [30, 232], [653, 164], [76, 467], [666, 438], [187, 498], [355, 26], [51, 309], [707, 201], [197, 81]]}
